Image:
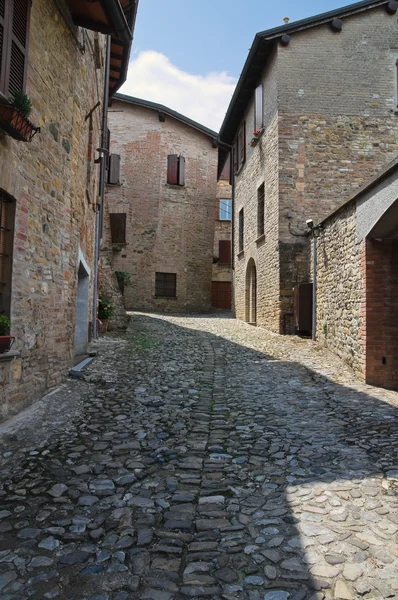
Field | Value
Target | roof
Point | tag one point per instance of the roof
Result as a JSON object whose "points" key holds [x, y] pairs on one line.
{"points": [[167, 111], [258, 56], [366, 187], [111, 17]]}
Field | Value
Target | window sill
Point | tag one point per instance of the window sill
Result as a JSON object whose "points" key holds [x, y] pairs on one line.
{"points": [[224, 220], [240, 253], [9, 355], [167, 297], [174, 186], [260, 239], [114, 184], [224, 264]]}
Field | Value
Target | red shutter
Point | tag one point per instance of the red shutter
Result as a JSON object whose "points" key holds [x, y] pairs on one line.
{"points": [[181, 170], [14, 44], [172, 169], [118, 227], [224, 252]]}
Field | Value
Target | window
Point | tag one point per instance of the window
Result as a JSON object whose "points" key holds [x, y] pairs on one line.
{"points": [[224, 252], [260, 210], [7, 217], [240, 148], [118, 227], [166, 285], [225, 209], [241, 227], [14, 26], [258, 108], [114, 169], [175, 169]]}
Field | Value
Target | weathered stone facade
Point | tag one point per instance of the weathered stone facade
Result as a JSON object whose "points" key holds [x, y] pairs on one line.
{"points": [[169, 228], [330, 123], [357, 281], [53, 181]]}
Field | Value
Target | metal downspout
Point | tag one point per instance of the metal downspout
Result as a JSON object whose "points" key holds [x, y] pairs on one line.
{"points": [[314, 268], [99, 216]]}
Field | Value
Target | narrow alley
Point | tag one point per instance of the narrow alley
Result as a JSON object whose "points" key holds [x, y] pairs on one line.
{"points": [[200, 457]]}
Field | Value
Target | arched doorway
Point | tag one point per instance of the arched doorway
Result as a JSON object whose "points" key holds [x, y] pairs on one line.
{"points": [[381, 301], [251, 292]]}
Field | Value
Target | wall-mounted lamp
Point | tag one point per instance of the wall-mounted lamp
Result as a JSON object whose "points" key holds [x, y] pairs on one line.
{"points": [[102, 154]]}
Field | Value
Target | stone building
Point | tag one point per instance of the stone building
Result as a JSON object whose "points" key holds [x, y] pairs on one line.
{"points": [[161, 205], [357, 280], [314, 116], [56, 51], [221, 279]]}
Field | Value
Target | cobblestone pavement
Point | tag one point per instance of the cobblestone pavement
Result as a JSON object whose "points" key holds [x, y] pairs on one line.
{"points": [[202, 458]]}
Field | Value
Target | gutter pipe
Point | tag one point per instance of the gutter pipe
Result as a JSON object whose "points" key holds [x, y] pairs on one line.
{"points": [[119, 21], [99, 215]]}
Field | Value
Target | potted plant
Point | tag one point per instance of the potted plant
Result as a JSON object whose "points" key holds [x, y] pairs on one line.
{"points": [[14, 117], [6, 340], [105, 311], [256, 137], [123, 280]]}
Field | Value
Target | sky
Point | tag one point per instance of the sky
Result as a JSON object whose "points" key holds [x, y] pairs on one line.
{"points": [[188, 54]]}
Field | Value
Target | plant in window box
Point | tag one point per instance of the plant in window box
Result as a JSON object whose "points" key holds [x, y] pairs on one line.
{"points": [[256, 137], [14, 117], [105, 311], [6, 340]]}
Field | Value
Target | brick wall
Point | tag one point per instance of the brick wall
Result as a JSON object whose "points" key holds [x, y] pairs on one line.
{"points": [[169, 228], [54, 181], [222, 231]]}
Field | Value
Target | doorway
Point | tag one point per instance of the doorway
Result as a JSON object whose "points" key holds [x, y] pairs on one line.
{"points": [[82, 312], [251, 293]]}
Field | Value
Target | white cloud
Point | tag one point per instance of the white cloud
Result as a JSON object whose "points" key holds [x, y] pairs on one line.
{"points": [[205, 99]]}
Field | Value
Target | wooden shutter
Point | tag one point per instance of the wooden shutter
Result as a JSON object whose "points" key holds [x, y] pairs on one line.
{"points": [[172, 169], [14, 27], [114, 169], [224, 252], [118, 227], [236, 153], [181, 170], [242, 144]]}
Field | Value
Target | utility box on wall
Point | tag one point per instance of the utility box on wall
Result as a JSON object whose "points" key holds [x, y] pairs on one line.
{"points": [[302, 294]]}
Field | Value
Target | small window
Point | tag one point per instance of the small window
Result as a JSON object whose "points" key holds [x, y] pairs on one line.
{"points": [[258, 108], [241, 230], [175, 169], [14, 28], [118, 227], [224, 252], [225, 209], [114, 169], [166, 285], [260, 210], [7, 218], [240, 148]]}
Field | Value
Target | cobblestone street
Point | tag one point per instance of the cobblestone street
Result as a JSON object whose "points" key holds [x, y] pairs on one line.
{"points": [[201, 457]]}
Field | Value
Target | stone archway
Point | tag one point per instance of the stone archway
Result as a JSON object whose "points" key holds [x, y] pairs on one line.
{"points": [[381, 301], [251, 292], [82, 307]]}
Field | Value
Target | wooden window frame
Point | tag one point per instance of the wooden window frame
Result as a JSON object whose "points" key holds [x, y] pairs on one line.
{"points": [[224, 252], [11, 47], [228, 210], [241, 224], [176, 170], [165, 285], [261, 210], [118, 227], [240, 148], [7, 229]]}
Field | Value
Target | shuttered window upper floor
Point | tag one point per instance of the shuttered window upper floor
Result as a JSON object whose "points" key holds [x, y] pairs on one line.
{"points": [[14, 34]]}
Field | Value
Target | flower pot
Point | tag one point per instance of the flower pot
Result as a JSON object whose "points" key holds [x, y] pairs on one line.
{"points": [[103, 325], [6, 342], [13, 122]]}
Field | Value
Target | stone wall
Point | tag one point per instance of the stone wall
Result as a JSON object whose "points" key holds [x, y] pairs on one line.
{"points": [[170, 229], [53, 181], [261, 166], [340, 288]]}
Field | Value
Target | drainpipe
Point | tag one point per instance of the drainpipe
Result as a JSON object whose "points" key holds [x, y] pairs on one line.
{"points": [[103, 152], [314, 257]]}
